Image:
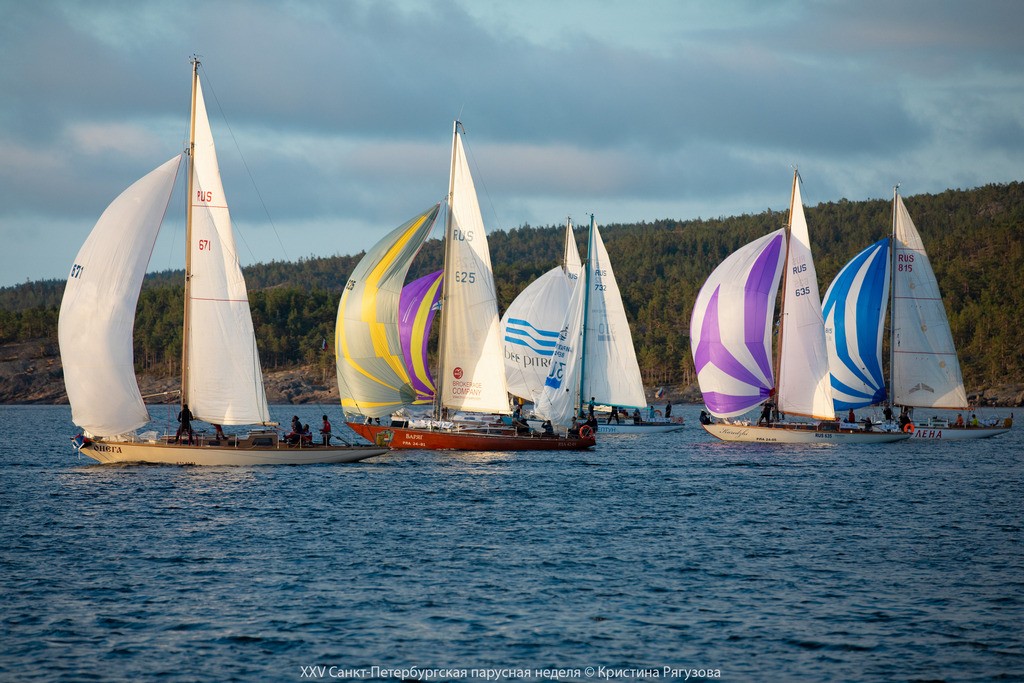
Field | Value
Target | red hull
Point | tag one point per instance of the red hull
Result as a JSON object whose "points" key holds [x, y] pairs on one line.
{"points": [[440, 440]]}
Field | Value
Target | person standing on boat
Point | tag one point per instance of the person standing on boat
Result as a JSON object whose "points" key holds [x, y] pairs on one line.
{"points": [[325, 431], [185, 424], [650, 413], [615, 414], [887, 413], [851, 417]]}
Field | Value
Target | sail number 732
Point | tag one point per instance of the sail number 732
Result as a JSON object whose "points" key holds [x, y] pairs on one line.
{"points": [[467, 276]]}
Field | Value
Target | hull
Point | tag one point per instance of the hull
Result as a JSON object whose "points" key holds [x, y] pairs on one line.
{"points": [[792, 434], [464, 440], [956, 433], [206, 454], [644, 428]]}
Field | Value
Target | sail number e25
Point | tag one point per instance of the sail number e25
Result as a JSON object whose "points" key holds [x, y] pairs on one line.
{"points": [[465, 276]]}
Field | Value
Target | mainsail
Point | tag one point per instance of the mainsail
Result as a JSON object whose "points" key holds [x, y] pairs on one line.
{"points": [[416, 310], [97, 312], [854, 309], [730, 329], [224, 381], [925, 369], [472, 375], [372, 376], [804, 386]]}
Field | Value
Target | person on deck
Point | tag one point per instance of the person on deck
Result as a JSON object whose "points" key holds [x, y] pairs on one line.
{"points": [[325, 431], [185, 424], [636, 416], [668, 410]]}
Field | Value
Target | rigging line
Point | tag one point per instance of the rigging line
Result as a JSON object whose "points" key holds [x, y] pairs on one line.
{"points": [[252, 180], [476, 175]]}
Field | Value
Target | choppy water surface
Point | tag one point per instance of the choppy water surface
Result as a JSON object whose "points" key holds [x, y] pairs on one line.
{"points": [[890, 562]]}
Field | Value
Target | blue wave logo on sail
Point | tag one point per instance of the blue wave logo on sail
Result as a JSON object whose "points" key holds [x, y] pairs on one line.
{"points": [[522, 333]]}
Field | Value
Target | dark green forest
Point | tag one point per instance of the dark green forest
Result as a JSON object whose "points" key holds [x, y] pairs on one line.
{"points": [[974, 238]]}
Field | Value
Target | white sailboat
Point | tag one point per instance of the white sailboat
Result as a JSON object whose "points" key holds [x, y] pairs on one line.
{"points": [[730, 337], [924, 371], [594, 359], [470, 379], [221, 378]]}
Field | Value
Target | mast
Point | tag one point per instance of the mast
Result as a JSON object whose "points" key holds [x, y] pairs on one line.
{"points": [[785, 279], [448, 225], [892, 299], [188, 235], [586, 311]]}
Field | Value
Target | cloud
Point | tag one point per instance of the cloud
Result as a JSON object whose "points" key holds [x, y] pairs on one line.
{"points": [[335, 118]]}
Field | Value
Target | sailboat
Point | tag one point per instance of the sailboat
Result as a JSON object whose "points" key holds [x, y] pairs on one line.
{"points": [[373, 372], [731, 335], [923, 365], [221, 378], [594, 360]]}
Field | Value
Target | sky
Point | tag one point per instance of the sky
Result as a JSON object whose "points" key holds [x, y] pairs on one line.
{"points": [[333, 118]]}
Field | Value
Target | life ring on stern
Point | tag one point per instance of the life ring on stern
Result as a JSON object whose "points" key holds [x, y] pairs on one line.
{"points": [[586, 432], [909, 428]]}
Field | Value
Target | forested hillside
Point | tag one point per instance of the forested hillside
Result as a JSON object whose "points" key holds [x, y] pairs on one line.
{"points": [[975, 240]]}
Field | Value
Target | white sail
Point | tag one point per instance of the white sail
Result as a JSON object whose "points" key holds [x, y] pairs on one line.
{"points": [[559, 400], [530, 330], [531, 323], [225, 383], [925, 369], [595, 352], [97, 313], [472, 371], [730, 329], [804, 385], [611, 374], [571, 261]]}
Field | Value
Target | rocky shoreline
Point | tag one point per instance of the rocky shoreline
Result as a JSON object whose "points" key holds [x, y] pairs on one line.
{"points": [[31, 373]]}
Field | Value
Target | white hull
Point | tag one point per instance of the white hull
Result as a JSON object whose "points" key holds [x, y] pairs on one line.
{"points": [[181, 454], [793, 434], [625, 427], [956, 433], [646, 428]]}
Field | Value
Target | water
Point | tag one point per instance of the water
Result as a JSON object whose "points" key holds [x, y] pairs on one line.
{"points": [[870, 563]]}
